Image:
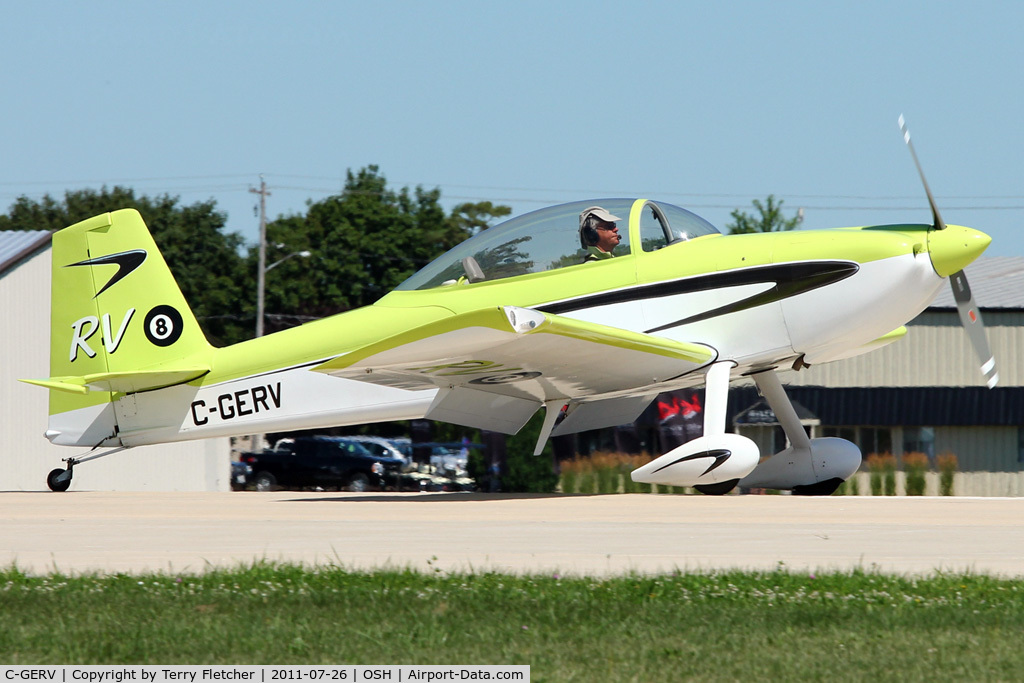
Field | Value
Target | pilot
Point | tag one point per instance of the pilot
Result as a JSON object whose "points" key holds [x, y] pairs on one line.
{"points": [[598, 233]]}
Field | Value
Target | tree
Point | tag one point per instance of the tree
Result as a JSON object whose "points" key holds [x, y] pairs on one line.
{"points": [[770, 218], [474, 217], [364, 242], [204, 259], [526, 472]]}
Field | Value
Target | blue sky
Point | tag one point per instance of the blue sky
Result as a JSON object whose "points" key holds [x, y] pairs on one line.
{"points": [[705, 105]]}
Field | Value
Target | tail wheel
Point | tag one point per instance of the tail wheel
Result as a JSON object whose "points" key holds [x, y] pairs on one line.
{"points": [[59, 479], [265, 481]]}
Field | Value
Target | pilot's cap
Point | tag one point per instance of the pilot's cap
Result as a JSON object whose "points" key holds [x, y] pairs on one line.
{"points": [[599, 213]]}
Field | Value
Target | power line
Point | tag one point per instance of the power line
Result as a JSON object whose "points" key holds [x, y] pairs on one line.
{"points": [[542, 199]]}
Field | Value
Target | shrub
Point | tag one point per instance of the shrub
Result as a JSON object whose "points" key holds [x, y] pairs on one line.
{"points": [[948, 466], [603, 473], [606, 467], [915, 465], [588, 480], [882, 469], [570, 471], [850, 487], [634, 462], [626, 465], [524, 471], [889, 475]]}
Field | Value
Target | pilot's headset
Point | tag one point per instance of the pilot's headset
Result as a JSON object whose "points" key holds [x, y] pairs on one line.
{"points": [[588, 217]]}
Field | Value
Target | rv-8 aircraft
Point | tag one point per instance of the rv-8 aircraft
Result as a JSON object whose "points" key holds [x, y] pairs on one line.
{"points": [[587, 310]]}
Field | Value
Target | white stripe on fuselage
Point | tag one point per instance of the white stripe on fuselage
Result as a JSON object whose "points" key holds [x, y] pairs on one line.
{"points": [[292, 399]]}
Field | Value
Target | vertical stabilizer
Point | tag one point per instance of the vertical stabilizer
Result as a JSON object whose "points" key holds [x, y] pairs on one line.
{"points": [[118, 324]]}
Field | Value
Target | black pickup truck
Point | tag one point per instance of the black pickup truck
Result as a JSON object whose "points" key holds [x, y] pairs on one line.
{"points": [[320, 462]]}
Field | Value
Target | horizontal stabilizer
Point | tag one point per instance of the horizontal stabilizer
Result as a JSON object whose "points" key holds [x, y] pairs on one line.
{"points": [[127, 382]]}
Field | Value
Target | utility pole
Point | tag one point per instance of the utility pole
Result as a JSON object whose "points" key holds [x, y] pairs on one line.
{"points": [[261, 274], [257, 439]]}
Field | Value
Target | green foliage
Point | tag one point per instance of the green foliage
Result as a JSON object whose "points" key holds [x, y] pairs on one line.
{"points": [[204, 259], [882, 469], [569, 476], [478, 469], [948, 466], [769, 218], [850, 487], [915, 467], [774, 625], [472, 217], [603, 473], [889, 478], [524, 471], [364, 242]]}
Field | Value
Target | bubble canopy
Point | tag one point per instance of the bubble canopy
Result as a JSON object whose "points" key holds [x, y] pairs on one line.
{"points": [[549, 239]]}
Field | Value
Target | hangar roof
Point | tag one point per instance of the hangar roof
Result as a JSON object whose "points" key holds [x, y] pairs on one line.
{"points": [[16, 245], [996, 282]]}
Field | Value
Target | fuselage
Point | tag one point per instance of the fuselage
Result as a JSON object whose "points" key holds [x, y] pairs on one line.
{"points": [[761, 301]]}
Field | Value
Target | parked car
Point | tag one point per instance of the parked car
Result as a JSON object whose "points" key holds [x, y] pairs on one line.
{"points": [[380, 446], [320, 462], [445, 471], [407, 478], [240, 474]]}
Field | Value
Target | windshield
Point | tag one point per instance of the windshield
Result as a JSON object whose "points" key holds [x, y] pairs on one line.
{"points": [[352, 447], [542, 240]]}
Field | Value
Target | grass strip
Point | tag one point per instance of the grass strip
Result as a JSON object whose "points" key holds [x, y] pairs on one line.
{"points": [[684, 626]]}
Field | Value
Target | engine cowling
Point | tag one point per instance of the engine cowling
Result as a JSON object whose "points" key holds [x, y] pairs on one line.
{"points": [[703, 461], [818, 470]]}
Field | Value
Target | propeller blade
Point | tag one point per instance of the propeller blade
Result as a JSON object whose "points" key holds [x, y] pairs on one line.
{"points": [[970, 318], [939, 225]]}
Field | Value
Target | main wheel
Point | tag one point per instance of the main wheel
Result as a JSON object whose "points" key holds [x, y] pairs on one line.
{"points": [[264, 481], [822, 488], [55, 481], [719, 489], [358, 483]]}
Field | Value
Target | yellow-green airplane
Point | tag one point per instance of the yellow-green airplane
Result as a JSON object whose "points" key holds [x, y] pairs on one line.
{"points": [[587, 310]]}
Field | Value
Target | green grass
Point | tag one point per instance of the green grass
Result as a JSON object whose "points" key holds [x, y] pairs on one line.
{"points": [[705, 626]]}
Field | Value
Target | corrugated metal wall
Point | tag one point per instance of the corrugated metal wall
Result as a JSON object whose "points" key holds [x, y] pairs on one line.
{"points": [[980, 449], [935, 352], [26, 456]]}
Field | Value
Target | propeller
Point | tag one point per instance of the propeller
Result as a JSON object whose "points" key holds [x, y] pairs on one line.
{"points": [[970, 316]]}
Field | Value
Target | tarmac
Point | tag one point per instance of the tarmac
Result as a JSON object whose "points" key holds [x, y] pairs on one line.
{"points": [[600, 535]]}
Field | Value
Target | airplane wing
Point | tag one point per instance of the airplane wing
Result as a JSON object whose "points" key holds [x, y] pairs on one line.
{"points": [[495, 367]]}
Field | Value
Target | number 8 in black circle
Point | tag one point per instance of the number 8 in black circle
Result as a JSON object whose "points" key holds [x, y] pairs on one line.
{"points": [[163, 325]]}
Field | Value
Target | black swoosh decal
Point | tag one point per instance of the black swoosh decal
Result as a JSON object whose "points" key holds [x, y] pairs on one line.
{"points": [[719, 454], [790, 279], [126, 262]]}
